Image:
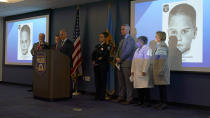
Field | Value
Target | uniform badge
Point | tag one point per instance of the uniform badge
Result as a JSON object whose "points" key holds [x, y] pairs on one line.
{"points": [[108, 48]]}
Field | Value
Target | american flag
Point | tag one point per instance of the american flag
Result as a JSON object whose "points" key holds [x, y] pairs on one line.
{"points": [[77, 54]]}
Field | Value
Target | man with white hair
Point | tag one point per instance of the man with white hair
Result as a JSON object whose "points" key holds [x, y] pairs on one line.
{"points": [[124, 59]]}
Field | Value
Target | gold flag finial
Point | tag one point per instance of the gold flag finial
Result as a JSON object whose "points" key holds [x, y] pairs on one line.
{"points": [[109, 3]]}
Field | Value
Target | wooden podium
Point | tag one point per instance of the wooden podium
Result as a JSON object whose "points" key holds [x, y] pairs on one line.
{"points": [[51, 75]]}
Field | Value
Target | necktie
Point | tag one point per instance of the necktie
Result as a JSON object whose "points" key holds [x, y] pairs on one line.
{"points": [[120, 47], [62, 43], [39, 47]]}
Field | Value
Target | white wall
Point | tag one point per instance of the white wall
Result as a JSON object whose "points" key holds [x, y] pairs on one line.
{"points": [[1, 46]]}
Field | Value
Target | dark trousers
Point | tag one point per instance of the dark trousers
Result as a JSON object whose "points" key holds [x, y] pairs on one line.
{"points": [[144, 95], [163, 94], [100, 80], [124, 85]]}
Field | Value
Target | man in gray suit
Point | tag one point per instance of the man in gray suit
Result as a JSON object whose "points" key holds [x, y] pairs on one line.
{"points": [[124, 58]]}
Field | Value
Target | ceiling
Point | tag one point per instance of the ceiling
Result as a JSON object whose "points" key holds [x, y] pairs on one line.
{"points": [[8, 9]]}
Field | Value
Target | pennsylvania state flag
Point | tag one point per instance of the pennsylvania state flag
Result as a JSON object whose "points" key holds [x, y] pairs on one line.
{"points": [[111, 42]]}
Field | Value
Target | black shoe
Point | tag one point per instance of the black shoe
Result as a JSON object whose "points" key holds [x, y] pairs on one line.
{"points": [[97, 98], [140, 103], [118, 100], [147, 104], [162, 106], [30, 90], [156, 106], [127, 102], [102, 98]]}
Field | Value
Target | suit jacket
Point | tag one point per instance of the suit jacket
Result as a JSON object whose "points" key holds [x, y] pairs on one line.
{"points": [[57, 46], [125, 51], [68, 49], [36, 48]]}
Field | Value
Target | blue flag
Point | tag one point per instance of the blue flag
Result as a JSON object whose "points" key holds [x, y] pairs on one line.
{"points": [[111, 42]]}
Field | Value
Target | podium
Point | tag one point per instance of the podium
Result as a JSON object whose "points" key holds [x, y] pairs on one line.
{"points": [[51, 75]]}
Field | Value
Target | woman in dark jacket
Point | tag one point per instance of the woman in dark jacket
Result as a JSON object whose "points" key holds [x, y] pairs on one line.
{"points": [[100, 58]]}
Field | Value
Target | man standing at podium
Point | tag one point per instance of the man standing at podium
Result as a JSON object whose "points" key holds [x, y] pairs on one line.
{"points": [[37, 47], [67, 47]]}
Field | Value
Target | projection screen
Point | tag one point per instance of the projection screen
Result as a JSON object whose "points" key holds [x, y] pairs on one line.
{"points": [[20, 35], [186, 23]]}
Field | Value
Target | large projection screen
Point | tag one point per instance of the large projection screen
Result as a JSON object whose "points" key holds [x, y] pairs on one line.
{"points": [[20, 35], [186, 23]]}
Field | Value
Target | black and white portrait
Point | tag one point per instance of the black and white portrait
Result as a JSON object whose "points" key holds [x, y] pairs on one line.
{"points": [[183, 22], [24, 41]]}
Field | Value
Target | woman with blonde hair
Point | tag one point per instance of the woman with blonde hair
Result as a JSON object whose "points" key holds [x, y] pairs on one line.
{"points": [[161, 72]]}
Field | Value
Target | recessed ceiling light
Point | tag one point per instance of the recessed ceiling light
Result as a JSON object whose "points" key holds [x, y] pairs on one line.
{"points": [[14, 1], [3, 0], [11, 1]]}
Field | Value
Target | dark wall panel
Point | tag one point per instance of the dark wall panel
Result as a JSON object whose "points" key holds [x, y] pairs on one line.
{"points": [[20, 75]]}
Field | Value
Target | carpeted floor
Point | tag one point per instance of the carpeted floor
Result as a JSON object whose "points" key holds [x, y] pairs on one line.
{"points": [[16, 102]]}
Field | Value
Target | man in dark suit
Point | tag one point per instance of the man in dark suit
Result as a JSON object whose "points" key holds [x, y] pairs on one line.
{"points": [[67, 48], [124, 58]]}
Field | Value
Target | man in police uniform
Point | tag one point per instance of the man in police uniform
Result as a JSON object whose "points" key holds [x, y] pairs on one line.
{"points": [[100, 59]]}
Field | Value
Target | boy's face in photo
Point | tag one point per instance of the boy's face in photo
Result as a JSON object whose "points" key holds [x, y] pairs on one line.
{"points": [[24, 42], [181, 26]]}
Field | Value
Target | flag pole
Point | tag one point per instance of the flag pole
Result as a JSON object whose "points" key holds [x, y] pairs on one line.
{"points": [[78, 8], [110, 42], [75, 80]]}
